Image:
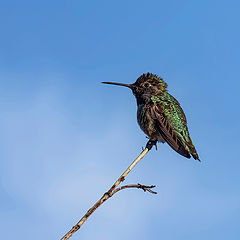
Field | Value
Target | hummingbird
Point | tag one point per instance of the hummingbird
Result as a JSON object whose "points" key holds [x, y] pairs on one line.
{"points": [[160, 115]]}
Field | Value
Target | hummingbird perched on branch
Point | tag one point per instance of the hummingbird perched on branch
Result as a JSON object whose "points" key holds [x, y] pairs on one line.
{"points": [[160, 115]]}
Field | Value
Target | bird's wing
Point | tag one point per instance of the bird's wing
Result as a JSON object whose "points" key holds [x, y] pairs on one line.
{"points": [[172, 123], [167, 131]]}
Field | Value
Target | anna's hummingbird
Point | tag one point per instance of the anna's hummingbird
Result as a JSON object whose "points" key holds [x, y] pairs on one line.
{"points": [[160, 115]]}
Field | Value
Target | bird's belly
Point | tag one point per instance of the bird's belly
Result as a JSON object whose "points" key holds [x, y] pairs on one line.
{"points": [[147, 123]]}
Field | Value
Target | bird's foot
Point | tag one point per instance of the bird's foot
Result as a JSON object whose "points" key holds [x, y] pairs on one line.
{"points": [[155, 142], [150, 144]]}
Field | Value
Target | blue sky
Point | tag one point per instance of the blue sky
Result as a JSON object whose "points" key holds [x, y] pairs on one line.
{"points": [[65, 137]]}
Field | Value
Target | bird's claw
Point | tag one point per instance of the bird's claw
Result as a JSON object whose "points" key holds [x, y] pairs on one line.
{"points": [[151, 143]]}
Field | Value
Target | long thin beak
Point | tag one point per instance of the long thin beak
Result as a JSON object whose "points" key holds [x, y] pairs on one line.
{"points": [[119, 84]]}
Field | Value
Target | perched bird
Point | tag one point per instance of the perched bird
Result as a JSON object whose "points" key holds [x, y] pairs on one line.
{"points": [[160, 115]]}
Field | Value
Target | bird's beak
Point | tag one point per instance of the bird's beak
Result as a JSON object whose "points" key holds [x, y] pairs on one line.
{"points": [[119, 84]]}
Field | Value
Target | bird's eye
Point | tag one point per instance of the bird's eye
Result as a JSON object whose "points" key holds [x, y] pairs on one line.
{"points": [[146, 85]]}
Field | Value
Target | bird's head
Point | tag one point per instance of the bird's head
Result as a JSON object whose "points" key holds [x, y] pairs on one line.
{"points": [[146, 86]]}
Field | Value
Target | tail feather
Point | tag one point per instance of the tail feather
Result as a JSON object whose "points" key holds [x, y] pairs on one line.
{"points": [[194, 154], [181, 150], [192, 150]]}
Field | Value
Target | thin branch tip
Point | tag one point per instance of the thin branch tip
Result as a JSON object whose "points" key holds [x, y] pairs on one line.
{"points": [[140, 186], [147, 188]]}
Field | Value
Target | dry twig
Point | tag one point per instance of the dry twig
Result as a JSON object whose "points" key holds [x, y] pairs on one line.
{"points": [[140, 186], [114, 190]]}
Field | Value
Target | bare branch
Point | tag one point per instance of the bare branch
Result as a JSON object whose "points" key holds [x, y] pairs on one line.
{"points": [[113, 190], [140, 186]]}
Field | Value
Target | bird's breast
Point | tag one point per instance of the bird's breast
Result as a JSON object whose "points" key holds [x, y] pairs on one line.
{"points": [[147, 123]]}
